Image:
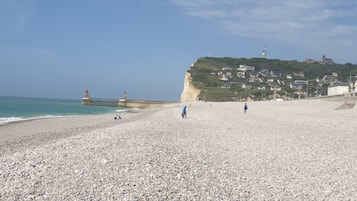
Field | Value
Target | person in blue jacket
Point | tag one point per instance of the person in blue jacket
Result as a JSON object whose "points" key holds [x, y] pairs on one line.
{"points": [[245, 108], [184, 113]]}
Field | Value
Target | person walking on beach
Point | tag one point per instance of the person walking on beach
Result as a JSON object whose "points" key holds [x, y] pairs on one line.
{"points": [[117, 117], [184, 113], [245, 108]]}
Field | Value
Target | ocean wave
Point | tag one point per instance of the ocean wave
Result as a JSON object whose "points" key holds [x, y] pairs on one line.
{"points": [[6, 120], [123, 110]]}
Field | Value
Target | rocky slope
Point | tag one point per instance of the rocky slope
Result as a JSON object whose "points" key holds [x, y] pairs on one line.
{"points": [[189, 92]]}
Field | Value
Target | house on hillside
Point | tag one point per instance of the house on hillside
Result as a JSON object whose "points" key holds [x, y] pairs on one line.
{"points": [[275, 74], [337, 90], [224, 78], [229, 74], [328, 78], [264, 73], [254, 79], [275, 87], [299, 84], [299, 74], [246, 86], [245, 68], [326, 61], [253, 74], [261, 88], [226, 85], [241, 74]]}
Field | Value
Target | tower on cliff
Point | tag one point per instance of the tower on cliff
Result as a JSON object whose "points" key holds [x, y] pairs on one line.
{"points": [[264, 53]]}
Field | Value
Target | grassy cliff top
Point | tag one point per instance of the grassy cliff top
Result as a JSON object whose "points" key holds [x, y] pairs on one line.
{"points": [[218, 78]]}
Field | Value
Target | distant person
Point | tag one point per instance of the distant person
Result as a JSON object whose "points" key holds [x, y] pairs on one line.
{"points": [[117, 117], [184, 112], [245, 108]]}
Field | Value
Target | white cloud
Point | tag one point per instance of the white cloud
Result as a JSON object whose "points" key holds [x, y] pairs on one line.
{"points": [[299, 23], [208, 13], [188, 4]]}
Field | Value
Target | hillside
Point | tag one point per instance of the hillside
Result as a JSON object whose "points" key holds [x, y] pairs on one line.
{"points": [[241, 79]]}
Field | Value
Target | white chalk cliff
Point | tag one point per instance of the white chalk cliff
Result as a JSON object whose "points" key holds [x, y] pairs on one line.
{"points": [[190, 92]]}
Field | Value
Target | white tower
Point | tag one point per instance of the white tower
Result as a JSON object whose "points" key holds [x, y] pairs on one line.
{"points": [[264, 53]]}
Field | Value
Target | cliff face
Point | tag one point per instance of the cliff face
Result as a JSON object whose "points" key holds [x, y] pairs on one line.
{"points": [[189, 92]]}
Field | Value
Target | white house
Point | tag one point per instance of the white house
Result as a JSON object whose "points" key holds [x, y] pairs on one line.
{"points": [[337, 90], [245, 68], [224, 78], [241, 74]]}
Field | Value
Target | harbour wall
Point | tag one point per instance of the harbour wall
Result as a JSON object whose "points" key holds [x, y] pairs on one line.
{"points": [[124, 102], [130, 103], [142, 103]]}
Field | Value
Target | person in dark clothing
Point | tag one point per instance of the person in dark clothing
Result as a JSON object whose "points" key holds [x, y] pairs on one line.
{"points": [[184, 113], [245, 108], [117, 117]]}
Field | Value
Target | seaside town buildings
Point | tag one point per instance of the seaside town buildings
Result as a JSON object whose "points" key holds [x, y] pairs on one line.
{"points": [[324, 61], [248, 77]]}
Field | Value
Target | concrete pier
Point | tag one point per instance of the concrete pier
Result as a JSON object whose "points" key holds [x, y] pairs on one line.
{"points": [[124, 102]]}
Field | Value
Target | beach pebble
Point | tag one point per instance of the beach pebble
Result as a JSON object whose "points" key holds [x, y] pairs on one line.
{"points": [[299, 150]]}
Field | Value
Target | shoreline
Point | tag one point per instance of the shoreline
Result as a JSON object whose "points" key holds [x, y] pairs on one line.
{"points": [[12, 120], [30, 133], [298, 150]]}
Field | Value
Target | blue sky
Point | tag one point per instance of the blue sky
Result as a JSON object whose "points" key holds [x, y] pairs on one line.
{"points": [[57, 49]]}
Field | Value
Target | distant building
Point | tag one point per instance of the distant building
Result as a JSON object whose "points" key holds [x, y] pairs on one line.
{"points": [[299, 74], [224, 78], [245, 68], [264, 73], [226, 85], [229, 74], [337, 90], [261, 88], [264, 53], [275, 74], [328, 78], [275, 88], [326, 61], [241, 74], [253, 74], [299, 84], [310, 61]]}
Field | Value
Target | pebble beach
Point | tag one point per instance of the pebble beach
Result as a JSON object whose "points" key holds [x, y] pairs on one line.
{"points": [[293, 150]]}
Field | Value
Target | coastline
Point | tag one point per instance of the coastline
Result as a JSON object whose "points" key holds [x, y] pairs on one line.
{"points": [[14, 109], [33, 132], [296, 150]]}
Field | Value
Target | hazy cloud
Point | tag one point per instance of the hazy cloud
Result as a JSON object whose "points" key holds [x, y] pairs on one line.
{"points": [[301, 23]]}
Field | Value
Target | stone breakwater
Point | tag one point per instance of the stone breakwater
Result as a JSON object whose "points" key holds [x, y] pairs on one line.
{"points": [[301, 150]]}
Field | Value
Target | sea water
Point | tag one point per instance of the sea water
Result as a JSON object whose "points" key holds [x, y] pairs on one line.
{"points": [[24, 108]]}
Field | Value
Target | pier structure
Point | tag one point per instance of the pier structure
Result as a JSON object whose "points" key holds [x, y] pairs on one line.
{"points": [[86, 98], [123, 102]]}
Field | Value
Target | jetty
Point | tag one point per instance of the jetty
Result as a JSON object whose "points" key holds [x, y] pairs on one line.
{"points": [[123, 102]]}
